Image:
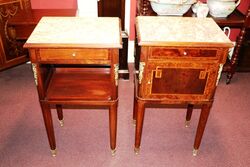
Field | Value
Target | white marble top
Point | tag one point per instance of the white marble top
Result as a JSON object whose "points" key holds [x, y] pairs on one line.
{"points": [[96, 32], [175, 31]]}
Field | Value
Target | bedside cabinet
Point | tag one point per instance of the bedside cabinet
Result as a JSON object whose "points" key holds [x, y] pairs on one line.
{"points": [[181, 59], [235, 20], [75, 62]]}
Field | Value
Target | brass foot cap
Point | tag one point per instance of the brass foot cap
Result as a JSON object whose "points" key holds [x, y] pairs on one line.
{"points": [[187, 124], [53, 152], [61, 122], [195, 152], [136, 150], [113, 152]]}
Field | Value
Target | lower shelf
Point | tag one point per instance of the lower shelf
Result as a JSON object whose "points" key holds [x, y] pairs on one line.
{"points": [[79, 84]]}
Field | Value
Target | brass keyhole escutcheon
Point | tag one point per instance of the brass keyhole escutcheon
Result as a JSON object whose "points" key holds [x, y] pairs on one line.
{"points": [[158, 73], [202, 74]]}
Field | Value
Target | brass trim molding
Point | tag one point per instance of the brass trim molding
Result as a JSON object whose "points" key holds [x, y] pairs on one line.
{"points": [[219, 74], [116, 71], [141, 69], [35, 73]]}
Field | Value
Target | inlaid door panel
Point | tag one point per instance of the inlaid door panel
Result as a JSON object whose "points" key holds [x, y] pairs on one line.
{"points": [[180, 80]]}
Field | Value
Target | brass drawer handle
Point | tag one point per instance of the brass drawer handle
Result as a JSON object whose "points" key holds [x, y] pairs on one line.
{"points": [[185, 53], [73, 54]]}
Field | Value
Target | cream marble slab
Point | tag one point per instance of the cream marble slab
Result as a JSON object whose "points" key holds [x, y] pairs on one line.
{"points": [[161, 30], [93, 32]]}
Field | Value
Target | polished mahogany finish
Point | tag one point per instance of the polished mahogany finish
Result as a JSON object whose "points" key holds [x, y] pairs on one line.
{"points": [[11, 52], [234, 20], [76, 73], [182, 73]]}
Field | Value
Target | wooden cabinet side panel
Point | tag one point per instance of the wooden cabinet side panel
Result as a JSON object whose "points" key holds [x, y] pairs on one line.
{"points": [[142, 68], [33, 55], [114, 54]]}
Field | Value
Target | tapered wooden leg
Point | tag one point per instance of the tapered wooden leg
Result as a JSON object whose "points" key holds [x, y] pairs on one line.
{"points": [[113, 126], [49, 126], [201, 127], [139, 125], [189, 114], [60, 114], [134, 110]]}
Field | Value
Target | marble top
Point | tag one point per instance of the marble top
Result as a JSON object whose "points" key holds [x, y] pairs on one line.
{"points": [[94, 32], [175, 31]]}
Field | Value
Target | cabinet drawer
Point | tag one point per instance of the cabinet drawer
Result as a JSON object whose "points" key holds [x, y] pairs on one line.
{"points": [[73, 54], [170, 52]]}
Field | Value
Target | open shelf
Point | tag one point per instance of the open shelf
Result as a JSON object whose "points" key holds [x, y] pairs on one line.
{"points": [[79, 84]]}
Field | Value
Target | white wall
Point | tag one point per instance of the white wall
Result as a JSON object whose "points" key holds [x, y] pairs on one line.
{"points": [[87, 8]]}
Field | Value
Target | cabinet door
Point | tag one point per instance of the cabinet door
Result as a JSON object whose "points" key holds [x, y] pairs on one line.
{"points": [[112, 8], [180, 80]]}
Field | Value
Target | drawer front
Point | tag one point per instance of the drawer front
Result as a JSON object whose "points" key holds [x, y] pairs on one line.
{"points": [[73, 55], [170, 52], [182, 81]]}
